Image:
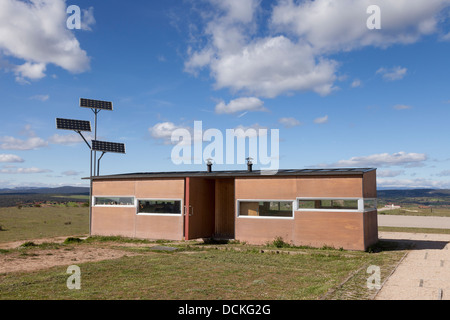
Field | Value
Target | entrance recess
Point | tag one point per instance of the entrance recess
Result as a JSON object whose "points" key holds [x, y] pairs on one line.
{"points": [[209, 208]]}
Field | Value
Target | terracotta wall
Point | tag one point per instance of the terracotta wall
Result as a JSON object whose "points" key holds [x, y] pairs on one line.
{"points": [[348, 230], [125, 222], [370, 184], [334, 229]]}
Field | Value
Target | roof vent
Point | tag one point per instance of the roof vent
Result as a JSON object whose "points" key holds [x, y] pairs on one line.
{"points": [[209, 165], [249, 164]]}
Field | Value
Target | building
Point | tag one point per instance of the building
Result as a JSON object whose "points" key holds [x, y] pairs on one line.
{"points": [[311, 207]]}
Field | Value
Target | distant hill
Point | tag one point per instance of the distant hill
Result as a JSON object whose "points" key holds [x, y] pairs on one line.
{"points": [[59, 190], [414, 193], [427, 197]]}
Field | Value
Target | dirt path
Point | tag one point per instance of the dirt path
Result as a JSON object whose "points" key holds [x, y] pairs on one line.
{"points": [[33, 259], [17, 244], [43, 259]]}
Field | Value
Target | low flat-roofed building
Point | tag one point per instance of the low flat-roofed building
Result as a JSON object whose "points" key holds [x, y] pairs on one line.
{"points": [[310, 207]]}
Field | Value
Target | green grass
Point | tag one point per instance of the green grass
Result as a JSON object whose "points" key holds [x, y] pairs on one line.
{"points": [[414, 230], [197, 273], [36, 223], [75, 197], [415, 211]]}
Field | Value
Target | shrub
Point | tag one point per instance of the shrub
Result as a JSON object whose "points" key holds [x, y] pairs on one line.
{"points": [[280, 243], [72, 240], [29, 244]]}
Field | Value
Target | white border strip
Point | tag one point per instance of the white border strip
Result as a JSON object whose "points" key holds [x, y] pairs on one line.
{"points": [[159, 214], [114, 206], [294, 204]]}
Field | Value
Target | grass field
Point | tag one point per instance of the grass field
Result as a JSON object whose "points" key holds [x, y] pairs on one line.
{"points": [[34, 223], [195, 271], [201, 272], [416, 211]]}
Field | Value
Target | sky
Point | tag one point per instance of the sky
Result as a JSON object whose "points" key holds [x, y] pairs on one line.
{"points": [[343, 84]]}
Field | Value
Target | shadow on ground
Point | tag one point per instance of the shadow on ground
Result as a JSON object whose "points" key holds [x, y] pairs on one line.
{"points": [[411, 244]]}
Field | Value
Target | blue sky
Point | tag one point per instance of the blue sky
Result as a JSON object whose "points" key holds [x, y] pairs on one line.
{"points": [[340, 94]]}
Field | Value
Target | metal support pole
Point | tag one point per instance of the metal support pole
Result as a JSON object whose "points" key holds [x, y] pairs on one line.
{"points": [[95, 137], [90, 200], [98, 164]]}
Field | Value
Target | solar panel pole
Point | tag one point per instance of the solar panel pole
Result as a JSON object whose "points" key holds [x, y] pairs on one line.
{"points": [[98, 164], [78, 126], [96, 106], [96, 111]]}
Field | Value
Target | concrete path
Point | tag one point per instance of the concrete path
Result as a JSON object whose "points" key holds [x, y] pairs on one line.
{"points": [[413, 221], [424, 274]]}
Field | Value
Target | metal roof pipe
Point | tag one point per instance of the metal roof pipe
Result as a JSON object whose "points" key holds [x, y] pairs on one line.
{"points": [[249, 165], [209, 165]]}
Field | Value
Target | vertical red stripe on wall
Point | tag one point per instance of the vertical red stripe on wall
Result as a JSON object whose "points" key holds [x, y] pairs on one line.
{"points": [[186, 208]]}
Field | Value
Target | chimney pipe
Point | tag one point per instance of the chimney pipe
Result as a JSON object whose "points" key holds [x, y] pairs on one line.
{"points": [[209, 165], [249, 165]]}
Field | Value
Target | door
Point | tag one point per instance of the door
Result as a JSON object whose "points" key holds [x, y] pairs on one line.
{"points": [[199, 208], [224, 209]]}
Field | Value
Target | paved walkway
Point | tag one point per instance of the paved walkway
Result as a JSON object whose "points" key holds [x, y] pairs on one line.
{"points": [[413, 221], [424, 274]]}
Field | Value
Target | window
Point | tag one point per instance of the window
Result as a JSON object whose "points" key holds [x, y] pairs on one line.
{"points": [[114, 201], [370, 204], [283, 209], [333, 204], [159, 207]]}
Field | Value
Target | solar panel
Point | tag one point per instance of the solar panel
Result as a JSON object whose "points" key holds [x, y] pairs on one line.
{"points": [[96, 104], [75, 125], [108, 146]]}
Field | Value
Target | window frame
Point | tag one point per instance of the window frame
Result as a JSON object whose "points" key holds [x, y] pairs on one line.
{"points": [[238, 215], [113, 206], [159, 214]]}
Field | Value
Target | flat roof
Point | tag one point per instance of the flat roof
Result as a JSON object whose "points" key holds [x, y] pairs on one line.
{"points": [[239, 173]]}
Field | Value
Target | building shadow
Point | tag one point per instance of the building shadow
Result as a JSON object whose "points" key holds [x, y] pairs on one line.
{"points": [[411, 244]]}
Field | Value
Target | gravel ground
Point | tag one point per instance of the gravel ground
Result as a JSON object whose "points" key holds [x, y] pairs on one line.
{"points": [[424, 274]]}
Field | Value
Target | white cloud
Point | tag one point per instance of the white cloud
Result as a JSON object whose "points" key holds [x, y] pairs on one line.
{"points": [[407, 160], [393, 74], [69, 139], [35, 31], [10, 158], [88, 19], [164, 130], [321, 120], [413, 183], [24, 170], [356, 83], [390, 173], [261, 66], [41, 97], [332, 26], [290, 55], [72, 173], [402, 107], [32, 71], [240, 105], [11, 143], [444, 173], [289, 122]]}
